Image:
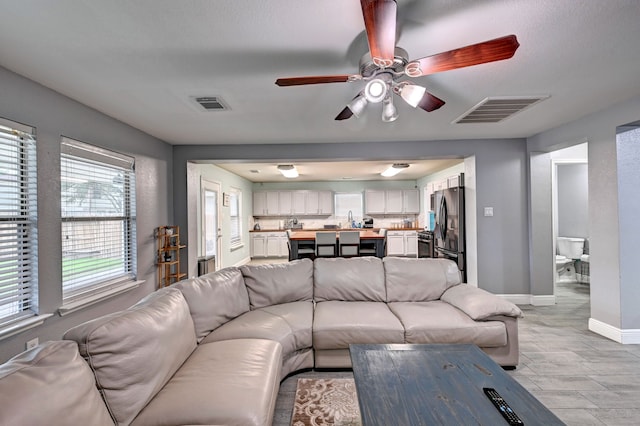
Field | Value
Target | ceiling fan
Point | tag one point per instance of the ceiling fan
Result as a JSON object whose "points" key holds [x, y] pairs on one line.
{"points": [[385, 66]]}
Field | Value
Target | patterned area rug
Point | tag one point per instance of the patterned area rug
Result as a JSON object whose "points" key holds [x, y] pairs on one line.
{"points": [[326, 402]]}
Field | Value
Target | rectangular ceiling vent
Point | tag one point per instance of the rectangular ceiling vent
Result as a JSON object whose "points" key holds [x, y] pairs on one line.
{"points": [[496, 109], [212, 103]]}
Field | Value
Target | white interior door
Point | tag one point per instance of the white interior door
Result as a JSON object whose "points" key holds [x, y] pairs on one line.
{"points": [[210, 221]]}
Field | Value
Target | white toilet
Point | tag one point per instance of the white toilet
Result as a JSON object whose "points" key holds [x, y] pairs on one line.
{"points": [[568, 251]]}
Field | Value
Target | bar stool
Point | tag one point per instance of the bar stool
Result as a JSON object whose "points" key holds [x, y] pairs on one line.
{"points": [[326, 244], [349, 243]]}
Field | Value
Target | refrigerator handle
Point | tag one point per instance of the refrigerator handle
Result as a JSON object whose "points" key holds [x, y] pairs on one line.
{"points": [[443, 218]]}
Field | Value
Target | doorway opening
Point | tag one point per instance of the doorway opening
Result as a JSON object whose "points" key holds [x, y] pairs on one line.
{"points": [[570, 219]]}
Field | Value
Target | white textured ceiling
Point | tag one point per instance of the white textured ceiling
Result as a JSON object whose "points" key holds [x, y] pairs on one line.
{"points": [[141, 61]]}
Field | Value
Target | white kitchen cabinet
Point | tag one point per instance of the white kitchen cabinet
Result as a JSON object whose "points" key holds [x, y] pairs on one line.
{"points": [[269, 244], [411, 243], [402, 243], [374, 201], [273, 203], [395, 243], [325, 202], [285, 203], [259, 203], [258, 244], [411, 201], [299, 203], [392, 201]]}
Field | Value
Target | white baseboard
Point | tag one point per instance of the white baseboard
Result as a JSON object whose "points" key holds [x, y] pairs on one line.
{"points": [[243, 262], [529, 299], [626, 337]]}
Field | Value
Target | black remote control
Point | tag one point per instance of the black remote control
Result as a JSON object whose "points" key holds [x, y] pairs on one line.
{"points": [[502, 406]]}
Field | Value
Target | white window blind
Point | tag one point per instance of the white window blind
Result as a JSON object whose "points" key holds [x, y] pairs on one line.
{"points": [[235, 213], [98, 219], [18, 225], [345, 202]]}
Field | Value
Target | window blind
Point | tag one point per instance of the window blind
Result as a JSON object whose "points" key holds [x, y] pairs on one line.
{"points": [[98, 219], [18, 224], [345, 202], [235, 214]]}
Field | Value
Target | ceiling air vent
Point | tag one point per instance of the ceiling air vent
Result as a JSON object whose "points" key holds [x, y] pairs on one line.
{"points": [[496, 109], [212, 103]]}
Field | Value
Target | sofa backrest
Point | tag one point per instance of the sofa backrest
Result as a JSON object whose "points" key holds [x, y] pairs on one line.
{"points": [[418, 280], [356, 279], [133, 353], [50, 385], [215, 299], [279, 283]]}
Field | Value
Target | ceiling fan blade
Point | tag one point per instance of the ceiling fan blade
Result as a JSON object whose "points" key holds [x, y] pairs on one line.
{"points": [[429, 102], [380, 23], [475, 54], [320, 79], [344, 114]]}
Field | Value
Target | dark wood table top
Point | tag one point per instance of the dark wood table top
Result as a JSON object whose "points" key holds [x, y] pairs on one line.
{"points": [[311, 235], [437, 385]]}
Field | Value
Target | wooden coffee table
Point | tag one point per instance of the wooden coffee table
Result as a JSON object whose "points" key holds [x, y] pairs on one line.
{"points": [[437, 385]]}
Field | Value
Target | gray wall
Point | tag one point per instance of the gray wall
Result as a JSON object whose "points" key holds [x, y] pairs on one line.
{"points": [[607, 288], [573, 200], [54, 115], [502, 248]]}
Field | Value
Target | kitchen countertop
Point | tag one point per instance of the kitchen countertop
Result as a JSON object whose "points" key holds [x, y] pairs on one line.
{"points": [[338, 229]]}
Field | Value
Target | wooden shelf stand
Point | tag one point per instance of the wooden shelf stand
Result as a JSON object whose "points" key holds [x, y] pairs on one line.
{"points": [[168, 255]]}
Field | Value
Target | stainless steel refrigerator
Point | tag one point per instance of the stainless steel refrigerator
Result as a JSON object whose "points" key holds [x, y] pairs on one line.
{"points": [[449, 237]]}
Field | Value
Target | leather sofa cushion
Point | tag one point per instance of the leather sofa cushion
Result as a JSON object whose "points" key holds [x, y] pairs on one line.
{"points": [[279, 283], [233, 382], [133, 353], [354, 279], [288, 323], [50, 385], [337, 324], [215, 298], [478, 303], [418, 280], [439, 322]]}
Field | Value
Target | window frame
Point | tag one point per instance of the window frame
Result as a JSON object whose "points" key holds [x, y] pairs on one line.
{"points": [[356, 214], [91, 158]]}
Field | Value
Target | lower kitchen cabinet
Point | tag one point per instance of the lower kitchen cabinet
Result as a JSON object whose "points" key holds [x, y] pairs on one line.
{"points": [[402, 243], [269, 244]]}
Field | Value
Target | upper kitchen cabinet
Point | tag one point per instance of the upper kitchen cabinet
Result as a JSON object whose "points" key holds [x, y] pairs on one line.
{"points": [[293, 203], [394, 201], [375, 201]]}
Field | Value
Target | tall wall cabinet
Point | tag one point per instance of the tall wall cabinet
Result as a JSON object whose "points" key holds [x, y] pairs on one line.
{"points": [[168, 255]]}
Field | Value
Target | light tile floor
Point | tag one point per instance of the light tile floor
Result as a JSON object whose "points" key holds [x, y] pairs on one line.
{"points": [[584, 378]]}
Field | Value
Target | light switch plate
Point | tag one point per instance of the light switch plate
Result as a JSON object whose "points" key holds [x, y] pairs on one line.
{"points": [[488, 211]]}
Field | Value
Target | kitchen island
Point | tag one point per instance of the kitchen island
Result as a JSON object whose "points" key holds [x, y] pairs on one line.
{"points": [[308, 239]]}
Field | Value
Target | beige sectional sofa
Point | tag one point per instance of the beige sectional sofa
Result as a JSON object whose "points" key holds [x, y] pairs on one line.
{"points": [[213, 349]]}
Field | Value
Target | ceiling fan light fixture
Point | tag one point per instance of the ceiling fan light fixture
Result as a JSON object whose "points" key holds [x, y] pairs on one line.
{"points": [[376, 90], [358, 104], [411, 93], [394, 169], [288, 170], [389, 111]]}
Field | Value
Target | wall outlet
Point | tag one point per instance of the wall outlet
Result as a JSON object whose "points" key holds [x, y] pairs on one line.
{"points": [[488, 211], [32, 343]]}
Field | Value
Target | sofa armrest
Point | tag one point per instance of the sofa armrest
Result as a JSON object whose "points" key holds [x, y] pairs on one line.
{"points": [[479, 304]]}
